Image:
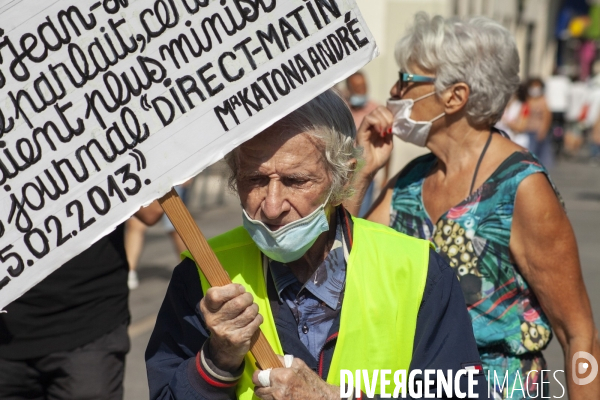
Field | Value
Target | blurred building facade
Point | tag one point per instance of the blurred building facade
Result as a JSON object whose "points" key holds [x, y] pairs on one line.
{"points": [[532, 22]]}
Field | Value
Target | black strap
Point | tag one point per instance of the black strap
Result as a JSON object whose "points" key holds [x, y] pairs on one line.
{"points": [[501, 132], [487, 144]]}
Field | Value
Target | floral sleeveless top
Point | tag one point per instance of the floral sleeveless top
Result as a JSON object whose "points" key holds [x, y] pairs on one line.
{"points": [[474, 238]]}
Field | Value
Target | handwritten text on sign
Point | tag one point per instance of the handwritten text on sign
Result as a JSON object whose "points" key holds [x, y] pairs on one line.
{"points": [[105, 105]]}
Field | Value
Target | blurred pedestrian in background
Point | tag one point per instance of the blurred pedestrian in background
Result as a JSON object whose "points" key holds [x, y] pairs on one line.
{"points": [[537, 122], [576, 110], [557, 94], [595, 143], [357, 97], [514, 111], [591, 118], [135, 232], [66, 338], [488, 206]]}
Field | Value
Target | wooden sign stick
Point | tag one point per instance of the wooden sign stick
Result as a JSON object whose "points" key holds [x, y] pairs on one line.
{"points": [[196, 243]]}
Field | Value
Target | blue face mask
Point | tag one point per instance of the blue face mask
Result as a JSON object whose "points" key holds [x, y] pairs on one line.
{"points": [[290, 242], [358, 101]]}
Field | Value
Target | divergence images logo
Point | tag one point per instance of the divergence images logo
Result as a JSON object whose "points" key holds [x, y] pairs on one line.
{"points": [[582, 367]]}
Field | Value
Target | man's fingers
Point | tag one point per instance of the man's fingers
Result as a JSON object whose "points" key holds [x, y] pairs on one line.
{"points": [[238, 310], [238, 304], [282, 376], [242, 329], [264, 393], [217, 296], [255, 324], [247, 316], [295, 362], [276, 376], [255, 379]]}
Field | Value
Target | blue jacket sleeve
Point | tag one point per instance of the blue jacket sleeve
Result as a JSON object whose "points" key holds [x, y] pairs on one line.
{"points": [[178, 336], [444, 337]]}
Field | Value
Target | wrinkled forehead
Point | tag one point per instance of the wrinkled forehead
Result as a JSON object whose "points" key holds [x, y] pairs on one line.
{"points": [[283, 145]]}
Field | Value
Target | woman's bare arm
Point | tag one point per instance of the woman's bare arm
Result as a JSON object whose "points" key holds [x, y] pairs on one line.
{"points": [[544, 247]]}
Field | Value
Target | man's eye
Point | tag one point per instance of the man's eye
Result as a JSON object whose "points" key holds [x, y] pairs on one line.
{"points": [[294, 181], [256, 180]]}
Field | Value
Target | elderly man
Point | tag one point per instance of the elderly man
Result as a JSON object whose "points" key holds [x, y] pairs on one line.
{"points": [[336, 292]]}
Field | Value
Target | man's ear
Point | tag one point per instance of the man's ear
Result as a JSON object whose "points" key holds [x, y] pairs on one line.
{"points": [[352, 165], [455, 98]]}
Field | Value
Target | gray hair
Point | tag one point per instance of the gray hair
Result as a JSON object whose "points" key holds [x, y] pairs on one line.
{"points": [[328, 119], [477, 51]]}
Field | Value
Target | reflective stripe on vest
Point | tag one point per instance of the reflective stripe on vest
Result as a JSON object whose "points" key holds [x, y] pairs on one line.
{"points": [[385, 280]]}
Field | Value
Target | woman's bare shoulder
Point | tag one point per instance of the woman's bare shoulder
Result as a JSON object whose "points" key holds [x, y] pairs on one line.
{"points": [[506, 147]]}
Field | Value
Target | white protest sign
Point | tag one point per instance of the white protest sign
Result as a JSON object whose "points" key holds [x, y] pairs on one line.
{"points": [[105, 105]]}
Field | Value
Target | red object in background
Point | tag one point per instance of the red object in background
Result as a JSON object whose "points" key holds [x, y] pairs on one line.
{"points": [[584, 112], [525, 110]]}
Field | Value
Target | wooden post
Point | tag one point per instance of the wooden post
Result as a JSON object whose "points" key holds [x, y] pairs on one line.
{"points": [[196, 243]]}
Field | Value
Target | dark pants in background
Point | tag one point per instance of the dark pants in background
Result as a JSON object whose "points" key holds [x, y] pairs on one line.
{"points": [[557, 131], [542, 149], [92, 372]]}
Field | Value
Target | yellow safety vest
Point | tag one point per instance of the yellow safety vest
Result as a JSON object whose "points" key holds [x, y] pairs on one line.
{"points": [[385, 280]]}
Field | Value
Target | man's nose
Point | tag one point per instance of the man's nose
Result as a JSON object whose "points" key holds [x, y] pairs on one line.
{"points": [[275, 204]]}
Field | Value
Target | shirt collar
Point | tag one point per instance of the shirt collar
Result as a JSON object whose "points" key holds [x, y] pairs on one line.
{"points": [[328, 281]]}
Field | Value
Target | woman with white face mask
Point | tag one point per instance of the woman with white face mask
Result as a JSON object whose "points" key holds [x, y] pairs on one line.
{"points": [[536, 122], [486, 203]]}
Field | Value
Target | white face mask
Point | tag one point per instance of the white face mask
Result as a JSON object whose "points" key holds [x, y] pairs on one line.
{"points": [[291, 241], [535, 91], [407, 129]]}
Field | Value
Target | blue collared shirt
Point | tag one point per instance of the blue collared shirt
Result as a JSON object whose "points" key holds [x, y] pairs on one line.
{"points": [[317, 303]]}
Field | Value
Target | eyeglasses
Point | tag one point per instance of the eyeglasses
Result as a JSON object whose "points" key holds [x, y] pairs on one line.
{"points": [[405, 77]]}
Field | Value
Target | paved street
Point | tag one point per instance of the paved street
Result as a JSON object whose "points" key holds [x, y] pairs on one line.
{"points": [[579, 185]]}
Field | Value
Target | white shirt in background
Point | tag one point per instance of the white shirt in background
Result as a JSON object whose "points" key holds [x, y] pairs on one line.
{"points": [[577, 99], [511, 114], [557, 92], [593, 102]]}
